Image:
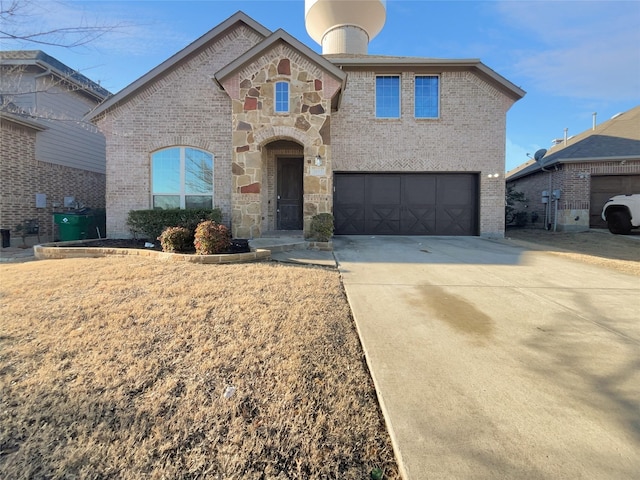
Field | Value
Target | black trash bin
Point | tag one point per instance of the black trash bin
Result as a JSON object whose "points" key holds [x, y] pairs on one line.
{"points": [[240, 245], [6, 237]]}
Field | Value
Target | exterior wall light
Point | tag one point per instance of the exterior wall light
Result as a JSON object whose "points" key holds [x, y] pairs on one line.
{"points": [[318, 160]]}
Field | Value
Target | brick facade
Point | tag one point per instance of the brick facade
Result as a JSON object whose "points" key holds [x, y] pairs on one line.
{"points": [[469, 136], [22, 176], [183, 106]]}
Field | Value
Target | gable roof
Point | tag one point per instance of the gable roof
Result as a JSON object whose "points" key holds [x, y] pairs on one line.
{"points": [[280, 36], [46, 62], [615, 139], [122, 95]]}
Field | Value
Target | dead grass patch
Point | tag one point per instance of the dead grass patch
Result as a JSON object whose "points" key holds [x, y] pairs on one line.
{"points": [[118, 368], [618, 252]]}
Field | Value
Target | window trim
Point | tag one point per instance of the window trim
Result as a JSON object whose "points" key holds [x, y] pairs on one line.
{"points": [[399, 77], [182, 194], [415, 97], [275, 97]]}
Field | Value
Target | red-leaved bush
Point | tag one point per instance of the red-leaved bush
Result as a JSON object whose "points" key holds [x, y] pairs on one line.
{"points": [[211, 238]]}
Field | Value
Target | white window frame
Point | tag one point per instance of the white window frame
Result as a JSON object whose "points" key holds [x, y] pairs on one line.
{"points": [[183, 193], [415, 103], [275, 97], [394, 75]]}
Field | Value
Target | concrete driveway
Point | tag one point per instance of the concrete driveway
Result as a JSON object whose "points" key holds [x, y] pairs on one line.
{"points": [[492, 361]]}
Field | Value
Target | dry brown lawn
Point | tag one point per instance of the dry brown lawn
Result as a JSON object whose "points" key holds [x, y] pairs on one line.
{"points": [[121, 368], [597, 247]]}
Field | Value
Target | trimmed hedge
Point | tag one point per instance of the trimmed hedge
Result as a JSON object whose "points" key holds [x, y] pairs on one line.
{"points": [[151, 223]]}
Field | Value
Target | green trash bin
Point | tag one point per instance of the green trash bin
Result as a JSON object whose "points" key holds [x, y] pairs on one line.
{"points": [[72, 226]]}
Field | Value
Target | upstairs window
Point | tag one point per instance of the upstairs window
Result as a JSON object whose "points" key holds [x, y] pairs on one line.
{"points": [[282, 97], [427, 96], [182, 177], [388, 96]]}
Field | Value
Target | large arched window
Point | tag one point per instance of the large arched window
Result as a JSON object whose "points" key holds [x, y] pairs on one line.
{"points": [[182, 177]]}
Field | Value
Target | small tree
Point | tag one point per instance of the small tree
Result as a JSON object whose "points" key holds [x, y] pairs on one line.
{"points": [[512, 197]]}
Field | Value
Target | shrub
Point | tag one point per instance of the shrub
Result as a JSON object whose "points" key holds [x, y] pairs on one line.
{"points": [[151, 223], [211, 238], [176, 239], [322, 227]]}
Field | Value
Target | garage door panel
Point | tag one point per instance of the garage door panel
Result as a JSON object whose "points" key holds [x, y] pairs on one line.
{"points": [[349, 220], [349, 203], [418, 220], [406, 204], [383, 190], [456, 190], [454, 220], [419, 189], [382, 220]]}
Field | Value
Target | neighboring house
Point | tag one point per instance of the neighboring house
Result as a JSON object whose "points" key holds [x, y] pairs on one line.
{"points": [[259, 125], [585, 170], [47, 153]]}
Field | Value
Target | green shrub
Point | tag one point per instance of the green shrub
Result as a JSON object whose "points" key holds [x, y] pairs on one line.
{"points": [[211, 238], [176, 239], [151, 223], [322, 227]]}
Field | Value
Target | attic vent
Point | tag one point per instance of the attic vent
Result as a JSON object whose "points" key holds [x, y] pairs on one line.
{"points": [[617, 115]]}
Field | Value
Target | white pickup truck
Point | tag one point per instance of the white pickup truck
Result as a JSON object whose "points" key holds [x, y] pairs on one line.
{"points": [[622, 213]]}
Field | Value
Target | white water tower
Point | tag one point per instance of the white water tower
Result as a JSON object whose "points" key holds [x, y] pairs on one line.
{"points": [[344, 26]]}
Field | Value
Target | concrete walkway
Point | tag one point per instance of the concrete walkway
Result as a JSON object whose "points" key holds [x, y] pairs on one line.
{"points": [[494, 362], [16, 254]]}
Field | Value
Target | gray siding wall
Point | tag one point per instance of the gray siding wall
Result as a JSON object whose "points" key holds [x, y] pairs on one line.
{"points": [[67, 141]]}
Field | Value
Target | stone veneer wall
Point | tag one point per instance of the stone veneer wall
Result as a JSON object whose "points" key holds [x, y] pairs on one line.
{"points": [[22, 176], [183, 107], [256, 124], [469, 136]]}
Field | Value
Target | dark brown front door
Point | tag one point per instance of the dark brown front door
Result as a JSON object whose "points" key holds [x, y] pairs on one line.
{"points": [[289, 199]]}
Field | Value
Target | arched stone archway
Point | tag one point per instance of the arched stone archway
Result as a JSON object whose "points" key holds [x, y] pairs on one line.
{"points": [[259, 157]]}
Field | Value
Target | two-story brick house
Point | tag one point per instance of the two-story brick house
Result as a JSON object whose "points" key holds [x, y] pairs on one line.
{"points": [[259, 125]]}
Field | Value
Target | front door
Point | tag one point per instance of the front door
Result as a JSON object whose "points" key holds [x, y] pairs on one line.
{"points": [[289, 199]]}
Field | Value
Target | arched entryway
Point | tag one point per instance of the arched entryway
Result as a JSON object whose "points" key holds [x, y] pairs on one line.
{"points": [[283, 201]]}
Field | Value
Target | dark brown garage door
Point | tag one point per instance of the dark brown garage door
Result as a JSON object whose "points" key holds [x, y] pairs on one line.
{"points": [[605, 187], [406, 204]]}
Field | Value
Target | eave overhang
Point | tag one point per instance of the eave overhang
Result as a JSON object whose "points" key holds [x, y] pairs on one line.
{"points": [[426, 65]]}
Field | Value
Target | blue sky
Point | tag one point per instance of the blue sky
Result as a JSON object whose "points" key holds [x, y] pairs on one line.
{"points": [[572, 57]]}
